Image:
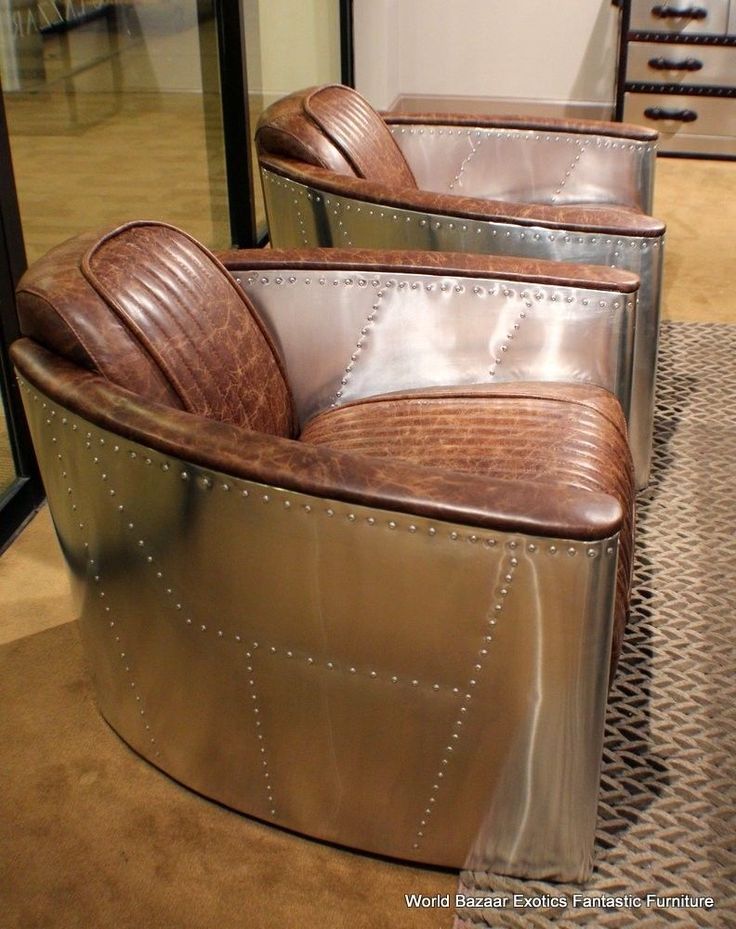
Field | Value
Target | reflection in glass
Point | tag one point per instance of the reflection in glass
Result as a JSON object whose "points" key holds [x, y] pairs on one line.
{"points": [[290, 44], [114, 114], [7, 465]]}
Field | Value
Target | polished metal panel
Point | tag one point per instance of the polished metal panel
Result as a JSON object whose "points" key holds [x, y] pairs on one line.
{"points": [[716, 116], [301, 215], [406, 686], [645, 18], [525, 165], [344, 335], [717, 64]]}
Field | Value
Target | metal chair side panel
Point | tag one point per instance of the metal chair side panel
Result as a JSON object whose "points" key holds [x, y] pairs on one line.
{"points": [[407, 687]]}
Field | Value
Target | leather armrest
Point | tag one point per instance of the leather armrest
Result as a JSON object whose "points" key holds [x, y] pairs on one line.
{"points": [[607, 221], [533, 508], [458, 264]]}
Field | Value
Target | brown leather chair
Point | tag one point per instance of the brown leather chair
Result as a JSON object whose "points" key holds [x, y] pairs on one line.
{"points": [[384, 620], [337, 173]]}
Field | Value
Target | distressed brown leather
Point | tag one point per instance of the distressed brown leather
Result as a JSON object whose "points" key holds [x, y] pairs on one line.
{"points": [[152, 310], [542, 123], [360, 133], [431, 491], [458, 264], [59, 309], [333, 127], [592, 219], [285, 129], [557, 436]]}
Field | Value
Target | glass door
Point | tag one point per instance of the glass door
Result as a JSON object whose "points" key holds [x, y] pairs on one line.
{"points": [[114, 113], [290, 45], [139, 109]]}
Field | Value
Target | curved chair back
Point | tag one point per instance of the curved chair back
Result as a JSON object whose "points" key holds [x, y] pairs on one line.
{"points": [[334, 127], [153, 311]]}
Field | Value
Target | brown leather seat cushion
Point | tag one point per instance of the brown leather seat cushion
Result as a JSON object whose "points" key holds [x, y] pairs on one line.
{"points": [[564, 435]]}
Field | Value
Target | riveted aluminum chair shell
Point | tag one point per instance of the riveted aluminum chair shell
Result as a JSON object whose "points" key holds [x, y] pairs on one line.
{"points": [[336, 173], [381, 619]]}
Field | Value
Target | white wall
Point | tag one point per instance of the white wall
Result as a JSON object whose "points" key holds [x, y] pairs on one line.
{"points": [[298, 44], [546, 50]]}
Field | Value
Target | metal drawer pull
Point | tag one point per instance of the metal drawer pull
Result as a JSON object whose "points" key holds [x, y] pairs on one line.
{"points": [[671, 12], [686, 64], [682, 116]]}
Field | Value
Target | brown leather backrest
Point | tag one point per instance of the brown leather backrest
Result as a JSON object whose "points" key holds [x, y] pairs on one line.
{"points": [[150, 309], [334, 127]]}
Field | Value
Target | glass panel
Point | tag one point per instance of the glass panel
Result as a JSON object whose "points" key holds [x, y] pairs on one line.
{"points": [[114, 114], [8, 472], [290, 44]]}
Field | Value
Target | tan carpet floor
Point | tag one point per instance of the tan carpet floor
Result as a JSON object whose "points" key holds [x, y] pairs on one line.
{"points": [[94, 837]]}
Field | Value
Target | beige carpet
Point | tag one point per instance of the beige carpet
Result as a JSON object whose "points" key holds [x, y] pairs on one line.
{"points": [[93, 837], [697, 200]]}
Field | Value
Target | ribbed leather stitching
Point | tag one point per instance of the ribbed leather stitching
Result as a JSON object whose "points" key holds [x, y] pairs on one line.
{"points": [[360, 134], [190, 317]]}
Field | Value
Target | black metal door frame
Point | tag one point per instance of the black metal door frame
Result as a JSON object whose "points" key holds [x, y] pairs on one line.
{"points": [[26, 492]]}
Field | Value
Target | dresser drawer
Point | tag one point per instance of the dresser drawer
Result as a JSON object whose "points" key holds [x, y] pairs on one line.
{"points": [[713, 131], [697, 65], [689, 114], [680, 17]]}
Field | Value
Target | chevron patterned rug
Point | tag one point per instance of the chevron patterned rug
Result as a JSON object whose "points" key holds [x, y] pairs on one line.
{"points": [[667, 813]]}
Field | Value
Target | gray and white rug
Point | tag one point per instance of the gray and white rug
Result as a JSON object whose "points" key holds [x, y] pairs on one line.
{"points": [[667, 814]]}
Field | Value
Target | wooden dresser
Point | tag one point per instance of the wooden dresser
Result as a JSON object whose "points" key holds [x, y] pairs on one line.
{"points": [[677, 73]]}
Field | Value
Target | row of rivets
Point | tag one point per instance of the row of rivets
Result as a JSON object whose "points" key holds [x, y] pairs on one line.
{"points": [[360, 344], [260, 737], [514, 232], [571, 167], [525, 135], [496, 288], [482, 137], [504, 346], [94, 570], [207, 482], [457, 180], [492, 617], [302, 225]]}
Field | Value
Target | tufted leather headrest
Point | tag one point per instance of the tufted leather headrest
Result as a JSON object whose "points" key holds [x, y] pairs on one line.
{"points": [[149, 308], [334, 127]]}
